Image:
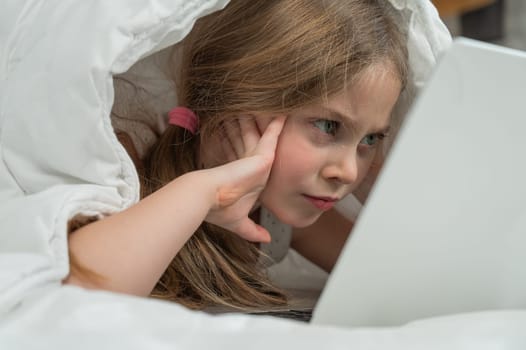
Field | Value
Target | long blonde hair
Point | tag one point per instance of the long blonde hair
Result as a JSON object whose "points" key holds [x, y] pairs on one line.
{"points": [[265, 56]]}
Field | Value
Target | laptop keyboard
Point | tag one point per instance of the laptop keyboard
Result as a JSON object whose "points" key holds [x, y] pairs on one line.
{"points": [[298, 315]]}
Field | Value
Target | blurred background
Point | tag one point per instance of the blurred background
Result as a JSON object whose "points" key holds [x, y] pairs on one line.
{"points": [[501, 22]]}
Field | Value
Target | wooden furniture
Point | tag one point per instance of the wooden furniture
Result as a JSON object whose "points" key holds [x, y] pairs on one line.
{"points": [[448, 8]]}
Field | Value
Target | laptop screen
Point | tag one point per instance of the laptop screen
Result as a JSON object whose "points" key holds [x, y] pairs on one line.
{"points": [[444, 229]]}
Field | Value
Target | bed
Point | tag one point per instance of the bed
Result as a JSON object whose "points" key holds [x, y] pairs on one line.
{"points": [[61, 158]]}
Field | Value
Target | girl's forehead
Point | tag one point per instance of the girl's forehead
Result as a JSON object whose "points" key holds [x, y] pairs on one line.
{"points": [[368, 99], [366, 104], [367, 82]]}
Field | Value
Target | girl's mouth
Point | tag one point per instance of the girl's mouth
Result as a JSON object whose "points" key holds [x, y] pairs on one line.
{"points": [[322, 203]]}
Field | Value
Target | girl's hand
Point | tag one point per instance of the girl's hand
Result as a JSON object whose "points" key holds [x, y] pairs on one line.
{"points": [[240, 182]]}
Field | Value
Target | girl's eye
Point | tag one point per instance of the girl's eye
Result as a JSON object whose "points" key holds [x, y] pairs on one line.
{"points": [[372, 139], [327, 126]]}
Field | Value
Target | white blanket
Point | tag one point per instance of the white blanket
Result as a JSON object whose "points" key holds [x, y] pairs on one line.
{"points": [[60, 157]]}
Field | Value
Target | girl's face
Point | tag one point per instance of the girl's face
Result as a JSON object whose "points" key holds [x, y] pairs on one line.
{"points": [[325, 150]]}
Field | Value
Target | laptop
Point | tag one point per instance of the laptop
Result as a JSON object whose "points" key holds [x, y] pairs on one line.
{"points": [[444, 230]]}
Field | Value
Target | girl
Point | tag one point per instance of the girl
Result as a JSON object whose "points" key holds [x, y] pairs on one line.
{"points": [[286, 103]]}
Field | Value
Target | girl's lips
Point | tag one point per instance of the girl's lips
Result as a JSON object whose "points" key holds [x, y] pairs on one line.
{"points": [[322, 203]]}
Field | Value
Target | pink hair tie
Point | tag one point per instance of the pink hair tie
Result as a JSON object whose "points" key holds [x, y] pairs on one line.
{"points": [[183, 117]]}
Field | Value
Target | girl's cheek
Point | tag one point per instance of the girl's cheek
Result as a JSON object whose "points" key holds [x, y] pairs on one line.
{"points": [[297, 161], [364, 169]]}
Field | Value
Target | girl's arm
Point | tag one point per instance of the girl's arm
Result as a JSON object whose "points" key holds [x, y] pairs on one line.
{"points": [[131, 249]]}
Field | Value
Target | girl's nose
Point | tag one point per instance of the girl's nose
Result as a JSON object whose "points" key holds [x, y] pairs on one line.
{"points": [[344, 169]]}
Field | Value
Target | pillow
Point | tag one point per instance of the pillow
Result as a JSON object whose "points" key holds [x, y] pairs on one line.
{"points": [[60, 157]]}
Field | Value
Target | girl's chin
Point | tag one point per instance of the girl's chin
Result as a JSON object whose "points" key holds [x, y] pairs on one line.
{"points": [[293, 218]]}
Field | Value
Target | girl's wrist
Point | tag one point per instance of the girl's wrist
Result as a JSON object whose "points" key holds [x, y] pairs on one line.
{"points": [[203, 185]]}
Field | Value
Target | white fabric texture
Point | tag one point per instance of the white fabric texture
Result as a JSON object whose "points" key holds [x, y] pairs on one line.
{"points": [[60, 158]]}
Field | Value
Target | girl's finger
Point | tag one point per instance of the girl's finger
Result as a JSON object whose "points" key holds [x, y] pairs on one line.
{"points": [[250, 133], [268, 141], [250, 231], [227, 148], [233, 133]]}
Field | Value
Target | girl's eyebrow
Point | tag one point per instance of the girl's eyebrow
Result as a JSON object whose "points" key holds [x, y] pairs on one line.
{"points": [[348, 122]]}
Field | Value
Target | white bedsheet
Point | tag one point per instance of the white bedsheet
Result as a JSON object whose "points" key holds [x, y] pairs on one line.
{"points": [[71, 318]]}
